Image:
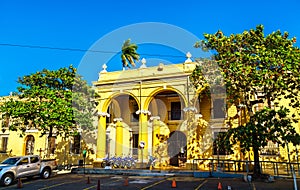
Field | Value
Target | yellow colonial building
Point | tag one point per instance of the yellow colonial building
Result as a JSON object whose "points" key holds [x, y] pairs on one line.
{"points": [[147, 111], [156, 111]]}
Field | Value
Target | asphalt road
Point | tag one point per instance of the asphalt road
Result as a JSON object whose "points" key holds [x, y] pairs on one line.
{"points": [[90, 182]]}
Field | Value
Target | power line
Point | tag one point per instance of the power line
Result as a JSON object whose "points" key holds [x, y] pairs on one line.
{"points": [[82, 50], [54, 48]]}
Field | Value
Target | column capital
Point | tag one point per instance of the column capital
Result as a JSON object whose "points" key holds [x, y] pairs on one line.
{"points": [[103, 114], [145, 112]]}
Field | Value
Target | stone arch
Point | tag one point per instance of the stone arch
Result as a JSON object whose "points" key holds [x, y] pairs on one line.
{"points": [[158, 90], [116, 94], [119, 129], [162, 100], [117, 105]]}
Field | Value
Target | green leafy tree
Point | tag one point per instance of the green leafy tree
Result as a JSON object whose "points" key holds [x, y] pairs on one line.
{"points": [[207, 76], [259, 69], [129, 54], [55, 102]]}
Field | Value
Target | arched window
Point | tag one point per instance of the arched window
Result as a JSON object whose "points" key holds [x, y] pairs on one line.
{"points": [[219, 108], [29, 145]]}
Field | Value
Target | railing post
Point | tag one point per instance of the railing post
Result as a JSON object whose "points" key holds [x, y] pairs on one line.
{"points": [[228, 165], [210, 168], [193, 165], [223, 166], [234, 166], [274, 168]]}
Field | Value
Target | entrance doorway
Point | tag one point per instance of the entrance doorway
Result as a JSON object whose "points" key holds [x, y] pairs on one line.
{"points": [[177, 148]]}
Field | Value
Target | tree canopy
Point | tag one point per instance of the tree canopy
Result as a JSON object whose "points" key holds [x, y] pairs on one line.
{"points": [[252, 63], [55, 102], [259, 69]]}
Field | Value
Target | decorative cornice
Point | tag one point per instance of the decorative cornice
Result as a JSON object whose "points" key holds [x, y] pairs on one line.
{"points": [[103, 114], [118, 119], [145, 112], [193, 109], [154, 117]]}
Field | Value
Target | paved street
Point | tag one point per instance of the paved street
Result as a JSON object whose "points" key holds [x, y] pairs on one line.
{"points": [[89, 182]]}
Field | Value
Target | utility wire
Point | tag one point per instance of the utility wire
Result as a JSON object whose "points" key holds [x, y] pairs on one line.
{"points": [[81, 50]]}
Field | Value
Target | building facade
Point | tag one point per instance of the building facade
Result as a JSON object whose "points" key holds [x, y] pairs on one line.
{"points": [[147, 112], [67, 151], [156, 111]]}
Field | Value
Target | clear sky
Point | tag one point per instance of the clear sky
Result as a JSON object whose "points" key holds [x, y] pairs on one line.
{"points": [[102, 26]]}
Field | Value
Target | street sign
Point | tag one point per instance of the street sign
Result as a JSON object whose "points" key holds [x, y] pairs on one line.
{"points": [[84, 153], [142, 144]]}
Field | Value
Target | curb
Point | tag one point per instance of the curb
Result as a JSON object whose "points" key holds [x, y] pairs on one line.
{"points": [[157, 173], [131, 172]]}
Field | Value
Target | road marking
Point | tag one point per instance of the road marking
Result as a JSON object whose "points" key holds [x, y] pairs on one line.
{"points": [[140, 181], [58, 185], [24, 183], [147, 187], [92, 187], [201, 184]]}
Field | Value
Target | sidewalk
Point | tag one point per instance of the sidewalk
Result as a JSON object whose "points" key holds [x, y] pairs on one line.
{"points": [[133, 172], [64, 172], [60, 172], [162, 173]]}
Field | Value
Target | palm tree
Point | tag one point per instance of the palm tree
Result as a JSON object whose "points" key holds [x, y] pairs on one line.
{"points": [[129, 54]]}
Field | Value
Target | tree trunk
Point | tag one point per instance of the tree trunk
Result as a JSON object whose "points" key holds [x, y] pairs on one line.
{"points": [[49, 147], [256, 169]]}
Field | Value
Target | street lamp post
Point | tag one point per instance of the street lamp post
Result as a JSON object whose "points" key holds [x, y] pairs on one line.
{"points": [[84, 156], [142, 146], [108, 142]]}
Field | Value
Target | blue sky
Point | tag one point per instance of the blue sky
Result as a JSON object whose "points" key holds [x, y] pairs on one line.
{"points": [[96, 25]]}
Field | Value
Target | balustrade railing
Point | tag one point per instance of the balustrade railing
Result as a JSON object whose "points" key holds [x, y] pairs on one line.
{"points": [[240, 166]]}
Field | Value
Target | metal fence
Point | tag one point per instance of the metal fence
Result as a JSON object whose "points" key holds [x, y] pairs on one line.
{"points": [[240, 166]]}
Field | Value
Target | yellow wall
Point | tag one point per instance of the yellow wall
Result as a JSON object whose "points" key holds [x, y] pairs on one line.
{"points": [[16, 147]]}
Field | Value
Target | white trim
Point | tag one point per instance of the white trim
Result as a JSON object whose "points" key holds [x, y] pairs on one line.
{"points": [[31, 131]]}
